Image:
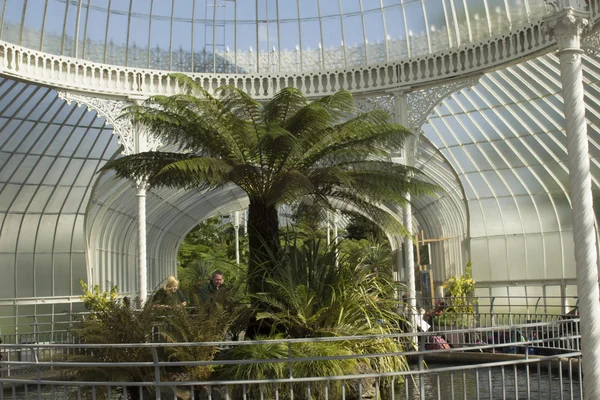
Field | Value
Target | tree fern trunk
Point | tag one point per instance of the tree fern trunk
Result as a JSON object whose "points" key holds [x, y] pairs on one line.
{"points": [[263, 241], [263, 238]]}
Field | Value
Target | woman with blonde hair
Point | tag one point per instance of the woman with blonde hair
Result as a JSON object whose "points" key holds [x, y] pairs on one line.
{"points": [[170, 294]]}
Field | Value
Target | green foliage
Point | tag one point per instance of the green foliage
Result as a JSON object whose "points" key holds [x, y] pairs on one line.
{"points": [[460, 301], [258, 370], [372, 255], [212, 240], [382, 346], [336, 367], [360, 228], [461, 291], [109, 322], [209, 322], [94, 299], [210, 246], [312, 295], [280, 370], [112, 321]]}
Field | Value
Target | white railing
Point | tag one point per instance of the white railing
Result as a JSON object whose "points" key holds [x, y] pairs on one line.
{"points": [[85, 76]]}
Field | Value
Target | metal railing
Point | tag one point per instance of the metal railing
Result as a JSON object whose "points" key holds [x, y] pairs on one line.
{"points": [[498, 354], [54, 371]]}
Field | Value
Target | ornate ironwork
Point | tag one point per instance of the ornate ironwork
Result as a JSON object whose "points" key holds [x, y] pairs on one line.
{"points": [[111, 111], [421, 102], [385, 102]]}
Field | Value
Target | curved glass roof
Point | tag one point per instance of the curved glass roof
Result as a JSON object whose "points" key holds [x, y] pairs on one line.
{"points": [[247, 36]]}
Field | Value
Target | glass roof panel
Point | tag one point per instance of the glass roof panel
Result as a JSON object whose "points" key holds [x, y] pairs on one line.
{"points": [[463, 161], [260, 35], [512, 181]]}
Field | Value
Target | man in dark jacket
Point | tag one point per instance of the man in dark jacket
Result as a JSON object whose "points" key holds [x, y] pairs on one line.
{"points": [[210, 288]]}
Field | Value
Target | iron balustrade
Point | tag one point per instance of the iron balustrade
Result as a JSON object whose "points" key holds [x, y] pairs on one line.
{"points": [[537, 357], [529, 376]]}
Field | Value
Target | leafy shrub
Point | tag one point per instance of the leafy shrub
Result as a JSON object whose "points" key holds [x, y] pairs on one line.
{"points": [[459, 309], [94, 299], [208, 322], [312, 295], [256, 370], [281, 370], [322, 368], [111, 321]]}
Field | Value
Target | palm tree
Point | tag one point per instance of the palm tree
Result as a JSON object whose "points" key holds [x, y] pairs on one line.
{"points": [[322, 153]]}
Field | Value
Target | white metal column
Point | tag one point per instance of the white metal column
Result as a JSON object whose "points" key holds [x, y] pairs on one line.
{"points": [[335, 237], [401, 117], [328, 218], [236, 227], [141, 144], [567, 25], [409, 259], [140, 194]]}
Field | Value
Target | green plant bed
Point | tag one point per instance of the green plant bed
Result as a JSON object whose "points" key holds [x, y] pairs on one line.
{"points": [[310, 368], [111, 321]]}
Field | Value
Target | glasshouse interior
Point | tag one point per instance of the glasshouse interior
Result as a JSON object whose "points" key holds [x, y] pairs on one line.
{"points": [[398, 196]]}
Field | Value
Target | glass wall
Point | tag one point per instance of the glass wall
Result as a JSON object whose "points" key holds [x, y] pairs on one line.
{"points": [[504, 138], [50, 152]]}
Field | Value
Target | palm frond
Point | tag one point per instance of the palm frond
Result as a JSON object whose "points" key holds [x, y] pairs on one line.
{"points": [[340, 104], [193, 172], [354, 142], [309, 120], [284, 104], [188, 84], [288, 187]]}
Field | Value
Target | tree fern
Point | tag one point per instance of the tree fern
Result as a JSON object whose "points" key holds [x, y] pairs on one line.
{"points": [[289, 150]]}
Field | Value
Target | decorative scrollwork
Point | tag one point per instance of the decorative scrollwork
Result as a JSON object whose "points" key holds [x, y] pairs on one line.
{"points": [[111, 110], [555, 6], [552, 6], [421, 102], [385, 103], [569, 21], [590, 43]]}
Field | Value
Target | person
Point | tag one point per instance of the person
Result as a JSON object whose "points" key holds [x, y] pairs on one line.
{"points": [[212, 286], [169, 295]]}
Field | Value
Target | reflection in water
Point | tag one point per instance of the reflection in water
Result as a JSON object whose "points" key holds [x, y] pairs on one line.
{"points": [[507, 382]]}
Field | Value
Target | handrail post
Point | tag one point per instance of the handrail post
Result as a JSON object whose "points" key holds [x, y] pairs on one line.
{"points": [[290, 365], [156, 372], [492, 310], [421, 367], [36, 334], [563, 297]]}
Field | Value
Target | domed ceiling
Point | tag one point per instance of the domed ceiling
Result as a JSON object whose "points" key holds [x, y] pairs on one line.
{"points": [[249, 36]]}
